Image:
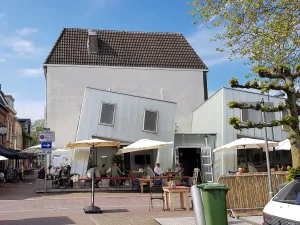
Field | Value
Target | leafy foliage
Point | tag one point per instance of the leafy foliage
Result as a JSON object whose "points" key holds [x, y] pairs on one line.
{"points": [[37, 127], [117, 159], [292, 172], [265, 31]]}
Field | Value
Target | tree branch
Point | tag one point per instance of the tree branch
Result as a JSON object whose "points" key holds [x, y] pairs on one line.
{"points": [[258, 107], [264, 86], [287, 120]]}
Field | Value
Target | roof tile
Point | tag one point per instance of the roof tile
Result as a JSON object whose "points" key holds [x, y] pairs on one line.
{"points": [[125, 48]]}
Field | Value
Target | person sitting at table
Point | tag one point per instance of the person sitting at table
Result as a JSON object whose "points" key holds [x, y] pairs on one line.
{"points": [[240, 171], [42, 173], [150, 172], [179, 169], [115, 171], [61, 177], [158, 170], [103, 170]]}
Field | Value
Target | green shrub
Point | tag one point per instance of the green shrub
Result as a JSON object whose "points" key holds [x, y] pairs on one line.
{"points": [[292, 172]]}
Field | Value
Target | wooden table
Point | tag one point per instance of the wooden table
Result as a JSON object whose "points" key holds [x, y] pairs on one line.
{"points": [[184, 193], [147, 181]]}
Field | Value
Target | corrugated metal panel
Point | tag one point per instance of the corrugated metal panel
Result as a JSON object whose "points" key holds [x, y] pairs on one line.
{"points": [[236, 95], [213, 117], [128, 121]]}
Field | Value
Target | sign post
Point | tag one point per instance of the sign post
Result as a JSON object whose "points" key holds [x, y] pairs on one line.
{"points": [[46, 139]]}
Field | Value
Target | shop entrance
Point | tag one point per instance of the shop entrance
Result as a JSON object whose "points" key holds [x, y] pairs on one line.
{"points": [[190, 158], [193, 157]]}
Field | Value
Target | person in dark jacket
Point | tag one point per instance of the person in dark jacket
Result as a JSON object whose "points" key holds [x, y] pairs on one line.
{"points": [[42, 173]]}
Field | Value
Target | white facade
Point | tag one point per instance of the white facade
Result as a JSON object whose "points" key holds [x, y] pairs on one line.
{"points": [[66, 85], [213, 116], [126, 125]]}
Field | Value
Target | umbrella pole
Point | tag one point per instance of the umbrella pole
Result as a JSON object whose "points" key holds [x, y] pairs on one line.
{"points": [[92, 208]]}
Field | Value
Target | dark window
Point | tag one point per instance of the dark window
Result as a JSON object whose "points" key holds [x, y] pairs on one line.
{"points": [[150, 121], [107, 114], [290, 193]]}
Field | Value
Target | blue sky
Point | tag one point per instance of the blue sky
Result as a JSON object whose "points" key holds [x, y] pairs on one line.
{"points": [[29, 28]]}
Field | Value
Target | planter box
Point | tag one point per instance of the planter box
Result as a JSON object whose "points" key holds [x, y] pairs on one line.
{"points": [[40, 184]]}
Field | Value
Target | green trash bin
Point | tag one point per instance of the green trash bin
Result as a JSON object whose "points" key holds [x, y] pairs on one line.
{"points": [[214, 203]]}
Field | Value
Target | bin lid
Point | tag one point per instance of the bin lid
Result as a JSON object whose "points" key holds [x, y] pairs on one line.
{"points": [[213, 186]]}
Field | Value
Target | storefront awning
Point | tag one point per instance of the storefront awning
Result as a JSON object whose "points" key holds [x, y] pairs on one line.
{"points": [[11, 153]]}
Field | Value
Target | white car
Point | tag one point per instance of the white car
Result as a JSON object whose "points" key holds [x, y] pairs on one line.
{"points": [[284, 208]]}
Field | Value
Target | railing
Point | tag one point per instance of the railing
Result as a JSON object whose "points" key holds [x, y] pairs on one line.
{"points": [[250, 191]]}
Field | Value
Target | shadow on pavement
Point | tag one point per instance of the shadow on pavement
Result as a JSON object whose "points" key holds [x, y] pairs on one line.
{"points": [[115, 211], [63, 220]]}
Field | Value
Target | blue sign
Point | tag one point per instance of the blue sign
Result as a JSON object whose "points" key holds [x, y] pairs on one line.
{"points": [[46, 145]]}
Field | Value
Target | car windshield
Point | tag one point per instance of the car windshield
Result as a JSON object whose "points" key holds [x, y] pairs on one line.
{"points": [[290, 193]]}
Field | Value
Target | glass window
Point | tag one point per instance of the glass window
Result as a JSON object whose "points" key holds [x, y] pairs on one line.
{"points": [[107, 113], [150, 121], [290, 193]]}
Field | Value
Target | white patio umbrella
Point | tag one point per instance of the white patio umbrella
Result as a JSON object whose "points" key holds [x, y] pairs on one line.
{"points": [[3, 158], [143, 145], [93, 143], [35, 149], [245, 143], [284, 145]]}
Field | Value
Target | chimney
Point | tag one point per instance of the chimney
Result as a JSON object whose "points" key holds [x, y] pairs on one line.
{"points": [[92, 43]]}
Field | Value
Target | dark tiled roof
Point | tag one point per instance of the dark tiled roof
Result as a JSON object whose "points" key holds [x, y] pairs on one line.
{"points": [[125, 48]]}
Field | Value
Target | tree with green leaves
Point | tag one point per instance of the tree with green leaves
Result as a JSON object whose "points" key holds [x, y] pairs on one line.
{"points": [[36, 128], [267, 33]]}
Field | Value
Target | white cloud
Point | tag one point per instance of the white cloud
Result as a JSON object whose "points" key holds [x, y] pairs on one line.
{"points": [[33, 72], [19, 44], [26, 31], [30, 109], [206, 49], [2, 60]]}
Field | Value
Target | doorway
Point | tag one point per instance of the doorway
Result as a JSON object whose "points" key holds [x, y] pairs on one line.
{"points": [[190, 158]]}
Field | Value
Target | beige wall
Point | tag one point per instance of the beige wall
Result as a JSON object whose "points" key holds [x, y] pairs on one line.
{"points": [[18, 133], [66, 84]]}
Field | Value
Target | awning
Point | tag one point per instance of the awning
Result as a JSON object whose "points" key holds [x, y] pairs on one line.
{"points": [[13, 154], [9, 153]]}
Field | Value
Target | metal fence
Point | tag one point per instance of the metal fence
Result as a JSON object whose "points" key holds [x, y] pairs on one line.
{"points": [[250, 191]]}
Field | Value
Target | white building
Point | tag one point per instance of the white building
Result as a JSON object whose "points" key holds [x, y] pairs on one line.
{"points": [[126, 118], [213, 116], [154, 65]]}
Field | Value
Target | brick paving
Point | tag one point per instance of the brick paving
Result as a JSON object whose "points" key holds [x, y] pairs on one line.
{"points": [[20, 205]]}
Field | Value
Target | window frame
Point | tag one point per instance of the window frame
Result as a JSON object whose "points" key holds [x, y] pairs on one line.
{"points": [[156, 122], [114, 113]]}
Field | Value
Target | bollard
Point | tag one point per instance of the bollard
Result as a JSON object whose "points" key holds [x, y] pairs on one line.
{"points": [[198, 205]]}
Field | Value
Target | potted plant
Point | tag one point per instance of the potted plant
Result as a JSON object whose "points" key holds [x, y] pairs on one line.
{"points": [[171, 184], [178, 180], [169, 170]]}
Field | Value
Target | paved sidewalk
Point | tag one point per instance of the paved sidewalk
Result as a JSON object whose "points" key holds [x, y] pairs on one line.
{"points": [[20, 205], [255, 220]]}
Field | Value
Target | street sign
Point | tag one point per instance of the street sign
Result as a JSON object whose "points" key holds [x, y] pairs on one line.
{"points": [[47, 136], [46, 145]]}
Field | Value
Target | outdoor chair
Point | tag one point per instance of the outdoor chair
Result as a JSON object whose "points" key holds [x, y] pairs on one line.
{"points": [[156, 193]]}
